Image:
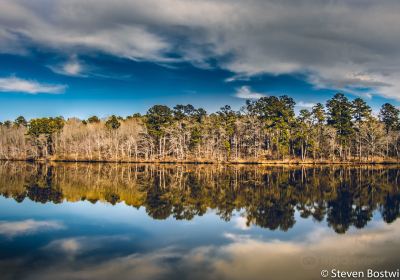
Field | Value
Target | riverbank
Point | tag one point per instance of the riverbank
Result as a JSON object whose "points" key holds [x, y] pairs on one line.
{"points": [[234, 162]]}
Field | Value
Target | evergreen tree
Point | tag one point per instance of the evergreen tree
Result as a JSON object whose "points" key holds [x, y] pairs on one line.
{"points": [[45, 127], [93, 119], [389, 115], [340, 112], [113, 123], [278, 116], [20, 121], [7, 124], [318, 115], [226, 119], [361, 112], [304, 131], [158, 118]]}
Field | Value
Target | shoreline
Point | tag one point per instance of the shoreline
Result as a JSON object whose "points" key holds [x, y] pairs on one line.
{"points": [[233, 162]]}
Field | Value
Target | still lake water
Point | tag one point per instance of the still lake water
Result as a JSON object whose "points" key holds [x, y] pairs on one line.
{"points": [[127, 221]]}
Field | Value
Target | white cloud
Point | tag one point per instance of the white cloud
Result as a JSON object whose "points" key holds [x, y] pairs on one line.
{"points": [[302, 104], [11, 229], [72, 67], [14, 84], [74, 25], [246, 93], [343, 45]]}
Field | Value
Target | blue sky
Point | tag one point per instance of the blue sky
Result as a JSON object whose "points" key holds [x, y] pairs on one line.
{"points": [[122, 59]]}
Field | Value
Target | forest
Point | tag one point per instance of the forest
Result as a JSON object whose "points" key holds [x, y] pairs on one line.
{"points": [[263, 130]]}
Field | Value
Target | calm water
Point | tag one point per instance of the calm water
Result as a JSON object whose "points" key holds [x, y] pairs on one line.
{"points": [[115, 221]]}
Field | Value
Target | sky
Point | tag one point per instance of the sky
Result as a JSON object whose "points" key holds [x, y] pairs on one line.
{"points": [[96, 57]]}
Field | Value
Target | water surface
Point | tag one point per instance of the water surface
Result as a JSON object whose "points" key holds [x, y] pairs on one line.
{"points": [[120, 221]]}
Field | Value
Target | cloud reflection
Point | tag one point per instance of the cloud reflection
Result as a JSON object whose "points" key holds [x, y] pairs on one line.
{"points": [[83, 244], [241, 223], [250, 258], [133, 266], [12, 229], [244, 257]]}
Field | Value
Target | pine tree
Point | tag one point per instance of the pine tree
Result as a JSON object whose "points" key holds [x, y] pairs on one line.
{"points": [[340, 112]]}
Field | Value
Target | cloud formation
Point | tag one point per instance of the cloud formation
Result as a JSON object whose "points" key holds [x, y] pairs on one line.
{"points": [[14, 84], [82, 244], [12, 229], [245, 92], [306, 105], [71, 67], [344, 45], [243, 256]]}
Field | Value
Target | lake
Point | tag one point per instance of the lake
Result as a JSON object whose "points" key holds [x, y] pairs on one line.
{"points": [[132, 221]]}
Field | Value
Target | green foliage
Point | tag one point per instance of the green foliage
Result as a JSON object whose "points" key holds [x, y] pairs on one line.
{"points": [[199, 114], [93, 119], [45, 126], [20, 121], [134, 116], [273, 110], [303, 131], [189, 119], [7, 124], [305, 116], [278, 115], [227, 118], [389, 115], [157, 118], [188, 111], [340, 114], [361, 110], [195, 136], [182, 111], [113, 123], [318, 114]]}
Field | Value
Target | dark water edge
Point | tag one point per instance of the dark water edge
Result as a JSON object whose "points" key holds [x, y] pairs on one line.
{"points": [[230, 162], [194, 221]]}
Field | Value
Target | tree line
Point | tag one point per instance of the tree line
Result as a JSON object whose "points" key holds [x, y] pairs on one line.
{"points": [[268, 197], [266, 129]]}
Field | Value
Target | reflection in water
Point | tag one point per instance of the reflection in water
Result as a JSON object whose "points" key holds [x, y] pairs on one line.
{"points": [[11, 229], [66, 221], [268, 196]]}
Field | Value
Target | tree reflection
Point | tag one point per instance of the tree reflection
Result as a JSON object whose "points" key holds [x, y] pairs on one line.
{"points": [[267, 196], [390, 208]]}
